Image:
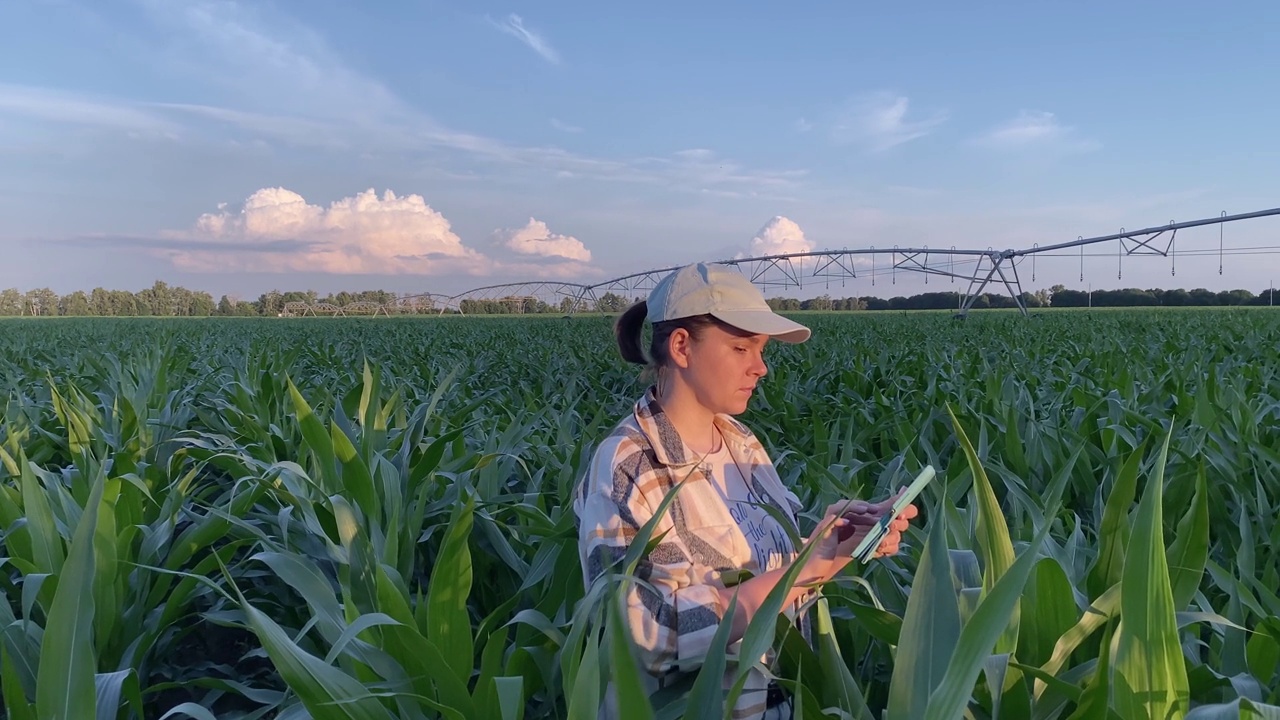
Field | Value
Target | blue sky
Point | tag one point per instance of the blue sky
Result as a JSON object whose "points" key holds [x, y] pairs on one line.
{"points": [[435, 146]]}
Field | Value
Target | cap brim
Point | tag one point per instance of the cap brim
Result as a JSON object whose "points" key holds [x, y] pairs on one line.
{"points": [[764, 322]]}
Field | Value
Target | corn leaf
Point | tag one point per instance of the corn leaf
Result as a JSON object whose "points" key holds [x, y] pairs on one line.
{"points": [[1113, 534], [993, 535], [930, 630], [65, 686], [1150, 673], [449, 624], [980, 634]]}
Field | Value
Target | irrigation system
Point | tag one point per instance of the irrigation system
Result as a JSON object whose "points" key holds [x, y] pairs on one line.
{"points": [[980, 269]]}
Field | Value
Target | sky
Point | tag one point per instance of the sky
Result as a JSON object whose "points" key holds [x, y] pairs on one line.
{"points": [[440, 145]]}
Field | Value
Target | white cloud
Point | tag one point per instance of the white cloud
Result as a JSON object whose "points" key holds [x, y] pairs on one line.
{"points": [[803, 126], [535, 238], [1034, 129], [56, 106], [275, 62], [879, 122], [513, 25], [266, 81], [277, 230], [779, 236]]}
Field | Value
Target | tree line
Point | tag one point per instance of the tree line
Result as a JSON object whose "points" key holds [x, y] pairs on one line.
{"points": [[1056, 296], [164, 300]]}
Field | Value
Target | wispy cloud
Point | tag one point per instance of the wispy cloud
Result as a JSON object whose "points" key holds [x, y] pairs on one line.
{"points": [[565, 127], [1035, 129], [63, 107], [276, 82], [299, 91], [513, 25], [878, 121]]}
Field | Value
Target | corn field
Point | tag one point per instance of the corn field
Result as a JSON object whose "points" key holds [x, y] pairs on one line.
{"points": [[371, 518]]}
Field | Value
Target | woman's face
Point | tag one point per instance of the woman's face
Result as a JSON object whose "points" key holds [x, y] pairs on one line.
{"points": [[722, 367]]}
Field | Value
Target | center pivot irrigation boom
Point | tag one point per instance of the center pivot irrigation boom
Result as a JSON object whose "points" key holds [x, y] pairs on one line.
{"points": [[989, 267]]}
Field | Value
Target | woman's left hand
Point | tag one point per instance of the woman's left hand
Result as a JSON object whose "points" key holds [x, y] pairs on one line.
{"points": [[858, 517], [893, 538]]}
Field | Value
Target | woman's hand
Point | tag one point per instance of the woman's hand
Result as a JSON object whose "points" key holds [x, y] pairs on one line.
{"points": [[842, 528], [893, 538]]}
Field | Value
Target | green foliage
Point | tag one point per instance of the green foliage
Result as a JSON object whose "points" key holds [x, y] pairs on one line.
{"points": [[360, 517]]}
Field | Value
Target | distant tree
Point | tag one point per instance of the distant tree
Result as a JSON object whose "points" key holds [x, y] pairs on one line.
{"points": [[41, 301], [611, 303], [76, 304], [270, 303], [11, 302], [1070, 298], [822, 302]]}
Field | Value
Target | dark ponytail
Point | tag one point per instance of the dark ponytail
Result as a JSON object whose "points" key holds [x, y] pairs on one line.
{"points": [[629, 330]]}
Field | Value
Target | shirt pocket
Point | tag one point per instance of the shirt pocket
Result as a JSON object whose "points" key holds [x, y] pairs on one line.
{"points": [[716, 548]]}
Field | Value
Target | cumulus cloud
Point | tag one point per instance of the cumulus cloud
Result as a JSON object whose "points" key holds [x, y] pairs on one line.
{"points": [[779, 236], [535, 238], [277, 230], [360, 234]]}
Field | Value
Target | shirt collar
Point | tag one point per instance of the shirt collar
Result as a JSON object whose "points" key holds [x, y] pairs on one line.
{"points": [[667, 444]]}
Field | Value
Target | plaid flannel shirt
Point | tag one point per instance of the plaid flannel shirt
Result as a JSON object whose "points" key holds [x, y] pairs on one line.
{"points": [[631, 472]]}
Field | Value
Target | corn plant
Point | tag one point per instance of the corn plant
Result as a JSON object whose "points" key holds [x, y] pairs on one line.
{"points": [[369, 518]]}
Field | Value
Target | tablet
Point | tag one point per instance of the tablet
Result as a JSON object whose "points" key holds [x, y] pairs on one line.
{"points": [[876, 534]]}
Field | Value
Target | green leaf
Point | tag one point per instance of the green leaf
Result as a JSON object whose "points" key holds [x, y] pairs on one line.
{"points": [[448, 621], [1113, 534], [993, 535], [46, 543], [1190, 548], [1263, 650], [110, 687], [707, 698], [1095, 701], [1150, 673], [980, 634], [1094, 617], [930, 629], [1240, 708], [16, 705], [318, 441], [65, 685], [1048, 611], [584, 704], [327, 692], [839, 688], [356, 479], [632, 701]]}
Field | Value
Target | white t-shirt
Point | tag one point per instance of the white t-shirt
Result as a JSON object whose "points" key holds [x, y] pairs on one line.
{"points": [[767, 539]]}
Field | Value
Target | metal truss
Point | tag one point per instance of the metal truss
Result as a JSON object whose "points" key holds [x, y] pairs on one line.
{"points": [[568, 296], [976, 269]]}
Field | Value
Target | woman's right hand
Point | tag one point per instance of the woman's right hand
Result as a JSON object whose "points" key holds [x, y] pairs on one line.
{"points": [[836, 536]]}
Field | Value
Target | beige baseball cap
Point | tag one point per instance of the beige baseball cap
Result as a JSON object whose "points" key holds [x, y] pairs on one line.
{"points": [[722, 292]]}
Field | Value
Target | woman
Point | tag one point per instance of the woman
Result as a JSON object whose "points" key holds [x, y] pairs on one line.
{"points": [[710, 327]]}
